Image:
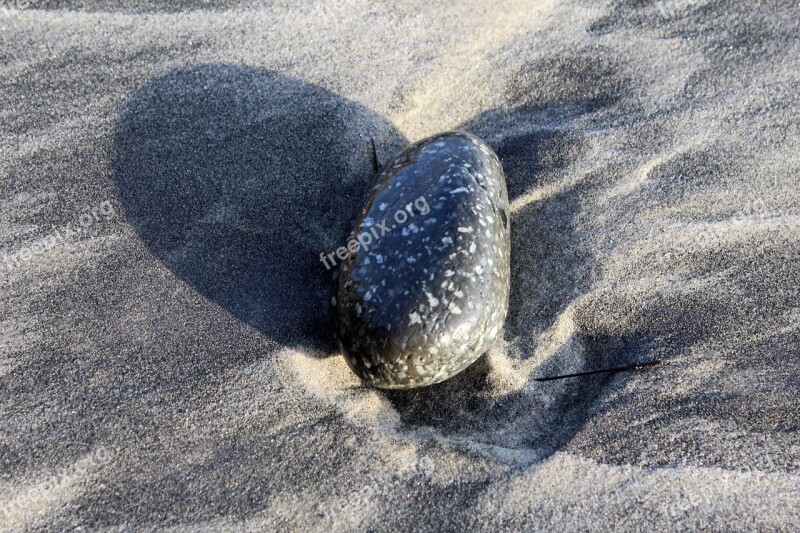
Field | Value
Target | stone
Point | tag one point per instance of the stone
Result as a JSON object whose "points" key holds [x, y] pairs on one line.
{"points": [[423, 289]]}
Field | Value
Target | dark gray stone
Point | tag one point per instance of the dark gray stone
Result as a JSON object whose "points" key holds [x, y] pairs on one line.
{"points": [[423, 290]]}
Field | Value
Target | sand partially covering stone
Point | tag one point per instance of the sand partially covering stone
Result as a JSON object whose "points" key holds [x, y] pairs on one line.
{"points": [[171, 171]]}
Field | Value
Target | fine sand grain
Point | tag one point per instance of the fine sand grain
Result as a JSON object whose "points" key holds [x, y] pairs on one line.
{"points": [[171, 171]]}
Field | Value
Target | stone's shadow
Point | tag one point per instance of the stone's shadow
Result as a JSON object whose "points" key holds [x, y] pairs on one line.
{"points": [[237, 178]]}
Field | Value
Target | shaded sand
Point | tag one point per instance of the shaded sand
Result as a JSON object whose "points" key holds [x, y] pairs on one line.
{"points": [[651, 150]]}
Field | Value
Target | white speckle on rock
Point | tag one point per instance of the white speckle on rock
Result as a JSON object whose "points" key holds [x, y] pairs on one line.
{"points": [[432, 300]]}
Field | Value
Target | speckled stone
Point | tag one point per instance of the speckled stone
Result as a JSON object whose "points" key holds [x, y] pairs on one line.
{"points": [[428, 295]]}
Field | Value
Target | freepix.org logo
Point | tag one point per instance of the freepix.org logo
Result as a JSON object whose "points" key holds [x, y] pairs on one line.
{"points": [[375, 231], [62, 236]]}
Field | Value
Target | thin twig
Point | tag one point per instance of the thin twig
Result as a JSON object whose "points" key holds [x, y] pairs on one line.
{"points": [[635, 366], [375, 164]]}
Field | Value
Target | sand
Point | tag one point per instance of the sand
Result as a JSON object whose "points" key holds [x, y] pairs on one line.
{"points": [[170, 173]]}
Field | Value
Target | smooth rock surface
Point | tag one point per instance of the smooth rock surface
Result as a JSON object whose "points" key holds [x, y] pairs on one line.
{"points": [[425, 291]]}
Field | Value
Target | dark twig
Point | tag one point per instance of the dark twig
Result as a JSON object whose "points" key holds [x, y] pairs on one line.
{"points": [[375, 164], [635, 366]]}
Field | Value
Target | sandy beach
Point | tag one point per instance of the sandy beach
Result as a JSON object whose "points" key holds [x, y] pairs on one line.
{"points": [[171, 171]]}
